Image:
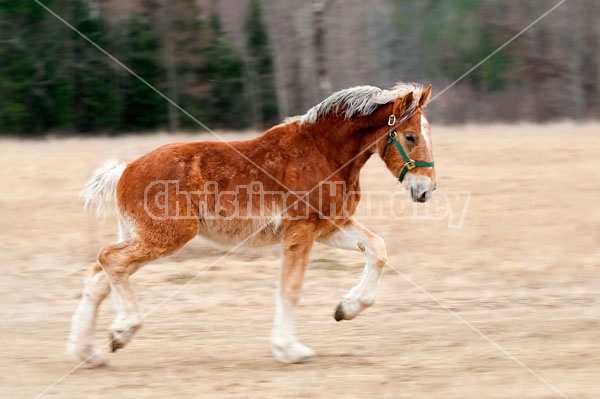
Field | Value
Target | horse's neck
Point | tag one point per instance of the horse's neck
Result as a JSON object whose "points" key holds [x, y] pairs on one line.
{"points": [[349, 143]]}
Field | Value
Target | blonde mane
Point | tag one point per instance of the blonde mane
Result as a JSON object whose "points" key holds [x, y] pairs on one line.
{"points": [[359, 100]]}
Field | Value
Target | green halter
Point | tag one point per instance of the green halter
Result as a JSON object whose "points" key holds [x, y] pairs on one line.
{"points": [[409, 164]]}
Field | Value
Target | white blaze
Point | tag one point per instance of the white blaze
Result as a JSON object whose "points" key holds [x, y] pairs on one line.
{"points": [[425, 132]]}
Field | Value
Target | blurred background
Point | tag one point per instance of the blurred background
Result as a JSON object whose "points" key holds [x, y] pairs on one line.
{"points": [[246, 64], [506, 306]]}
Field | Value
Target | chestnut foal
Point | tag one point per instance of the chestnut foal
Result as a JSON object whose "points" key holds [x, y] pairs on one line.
{"points": [[261, 191]]}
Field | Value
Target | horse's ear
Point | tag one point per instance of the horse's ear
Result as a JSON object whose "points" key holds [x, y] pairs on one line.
{"points": [[404, 104], [425, 97], [407, 101]]}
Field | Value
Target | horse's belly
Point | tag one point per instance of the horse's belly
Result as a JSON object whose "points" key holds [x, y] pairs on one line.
{"points": [[249, 232]]}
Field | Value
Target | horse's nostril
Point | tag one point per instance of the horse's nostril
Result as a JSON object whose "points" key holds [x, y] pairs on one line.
{"points": [[423, 197]]}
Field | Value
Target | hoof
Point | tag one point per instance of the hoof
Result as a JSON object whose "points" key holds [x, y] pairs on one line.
{"points": [[96, 361], [113, 338], [295, 353], [119, 336], [308, 360], [350, 308], [88, 355], [339, 313]]}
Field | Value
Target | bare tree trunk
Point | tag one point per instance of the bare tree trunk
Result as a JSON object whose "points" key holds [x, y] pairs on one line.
{"points": [[287, 42], [169, 62], [384, 47], [281, 38], [535, 66], [574, 23], [593, 97], [93, 8], [318, 10]]}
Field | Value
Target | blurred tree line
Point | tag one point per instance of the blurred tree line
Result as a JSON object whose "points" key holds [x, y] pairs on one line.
{"points": [[551, 71], [287, 56], [53, 80]]}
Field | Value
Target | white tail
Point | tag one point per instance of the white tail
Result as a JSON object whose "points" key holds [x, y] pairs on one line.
{"points": [[99, 192]]}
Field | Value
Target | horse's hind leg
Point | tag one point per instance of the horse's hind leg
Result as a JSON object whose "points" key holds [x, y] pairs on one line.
{"points": [[81, 338], [119, 262], [357, 237], [152, 240]]}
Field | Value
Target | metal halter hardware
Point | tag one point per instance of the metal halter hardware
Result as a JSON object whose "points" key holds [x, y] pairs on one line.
{"points": [[409, 164]]}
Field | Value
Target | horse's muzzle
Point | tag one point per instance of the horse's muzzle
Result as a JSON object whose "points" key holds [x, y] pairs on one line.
{"points": [[421, 189]]}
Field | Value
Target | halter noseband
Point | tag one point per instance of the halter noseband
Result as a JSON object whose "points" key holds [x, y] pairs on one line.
{"points": [[409, 164]]}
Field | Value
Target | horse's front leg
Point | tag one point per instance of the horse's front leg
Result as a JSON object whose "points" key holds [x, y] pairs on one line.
{"points": [[297, 243], [357, 237]]}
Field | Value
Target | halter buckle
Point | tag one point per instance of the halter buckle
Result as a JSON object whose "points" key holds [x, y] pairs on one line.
{"points": [[392, 120], [410, 165]]}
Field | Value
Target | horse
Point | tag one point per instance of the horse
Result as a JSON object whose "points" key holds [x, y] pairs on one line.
{"points": [[262, 191]]}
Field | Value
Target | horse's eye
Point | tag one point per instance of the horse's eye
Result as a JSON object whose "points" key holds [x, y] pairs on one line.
{"points": [[411, 138]]}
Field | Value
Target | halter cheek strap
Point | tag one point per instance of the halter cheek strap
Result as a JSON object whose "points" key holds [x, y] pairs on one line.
{"points": [[409, 164]]}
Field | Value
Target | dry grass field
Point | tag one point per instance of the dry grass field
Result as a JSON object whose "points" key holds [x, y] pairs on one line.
{"points": [[504, 305]]}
